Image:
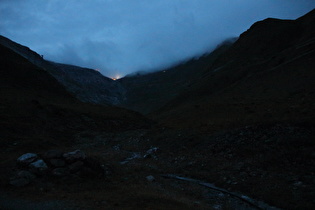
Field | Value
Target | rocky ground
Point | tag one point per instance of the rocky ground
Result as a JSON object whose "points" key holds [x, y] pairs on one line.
{"points": [[131, 168]]}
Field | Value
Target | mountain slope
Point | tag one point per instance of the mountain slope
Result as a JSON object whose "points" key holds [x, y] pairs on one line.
{"points": [[266, 76], [85, 84], [148, 92], [34, 105]]}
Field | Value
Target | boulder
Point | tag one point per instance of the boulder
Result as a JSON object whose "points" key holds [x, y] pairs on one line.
{"points": [[38, 167], [74, 156], [150, 178], [151, 152], [55, 163], [27, 158]]}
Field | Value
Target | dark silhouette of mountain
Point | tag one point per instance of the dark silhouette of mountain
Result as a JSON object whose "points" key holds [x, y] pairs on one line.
{"points": [[33, 104], [88, 85], [267, 75]]}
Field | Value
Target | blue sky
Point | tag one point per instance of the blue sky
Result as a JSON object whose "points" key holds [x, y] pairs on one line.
{"points": [[119, 37]]}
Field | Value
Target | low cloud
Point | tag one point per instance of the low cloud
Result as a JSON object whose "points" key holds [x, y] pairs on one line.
{"points": [[121, 37]]}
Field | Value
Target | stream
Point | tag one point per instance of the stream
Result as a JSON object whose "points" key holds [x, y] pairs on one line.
{"points": [[254, 204]]}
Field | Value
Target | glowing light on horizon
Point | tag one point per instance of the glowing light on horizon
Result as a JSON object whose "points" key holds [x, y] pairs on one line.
{"points": [[116, 77]]}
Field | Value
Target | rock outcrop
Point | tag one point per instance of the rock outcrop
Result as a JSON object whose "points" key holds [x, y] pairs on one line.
{"points": [[54, 163]]}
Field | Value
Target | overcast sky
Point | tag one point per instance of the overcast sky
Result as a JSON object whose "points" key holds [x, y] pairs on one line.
{"points": [[119, 37]]}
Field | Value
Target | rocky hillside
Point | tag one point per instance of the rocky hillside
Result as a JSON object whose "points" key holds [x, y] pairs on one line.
{"points": [[85, 84], [34, 105]]}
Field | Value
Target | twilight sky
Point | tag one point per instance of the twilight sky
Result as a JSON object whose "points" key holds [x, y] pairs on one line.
{"points": [[119, 37]]}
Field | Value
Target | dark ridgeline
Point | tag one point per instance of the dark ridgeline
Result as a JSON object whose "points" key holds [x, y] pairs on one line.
{"points": [[267, 75], [35, 104], [88, 85]]}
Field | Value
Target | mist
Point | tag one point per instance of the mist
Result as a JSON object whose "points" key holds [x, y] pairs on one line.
{"points": [[119, 37]]}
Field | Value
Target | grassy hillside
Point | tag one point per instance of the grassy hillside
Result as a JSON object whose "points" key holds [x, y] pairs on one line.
{"points": [[266, 76]]}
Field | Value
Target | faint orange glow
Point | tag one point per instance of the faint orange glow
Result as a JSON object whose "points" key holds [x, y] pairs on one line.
{"points": [[116, 77]]}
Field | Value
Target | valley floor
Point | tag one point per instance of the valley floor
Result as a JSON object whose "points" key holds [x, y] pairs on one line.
{"points": [[270, 163]]}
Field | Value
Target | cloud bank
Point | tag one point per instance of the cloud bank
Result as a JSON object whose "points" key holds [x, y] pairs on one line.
{"points": [[119, 37]]}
